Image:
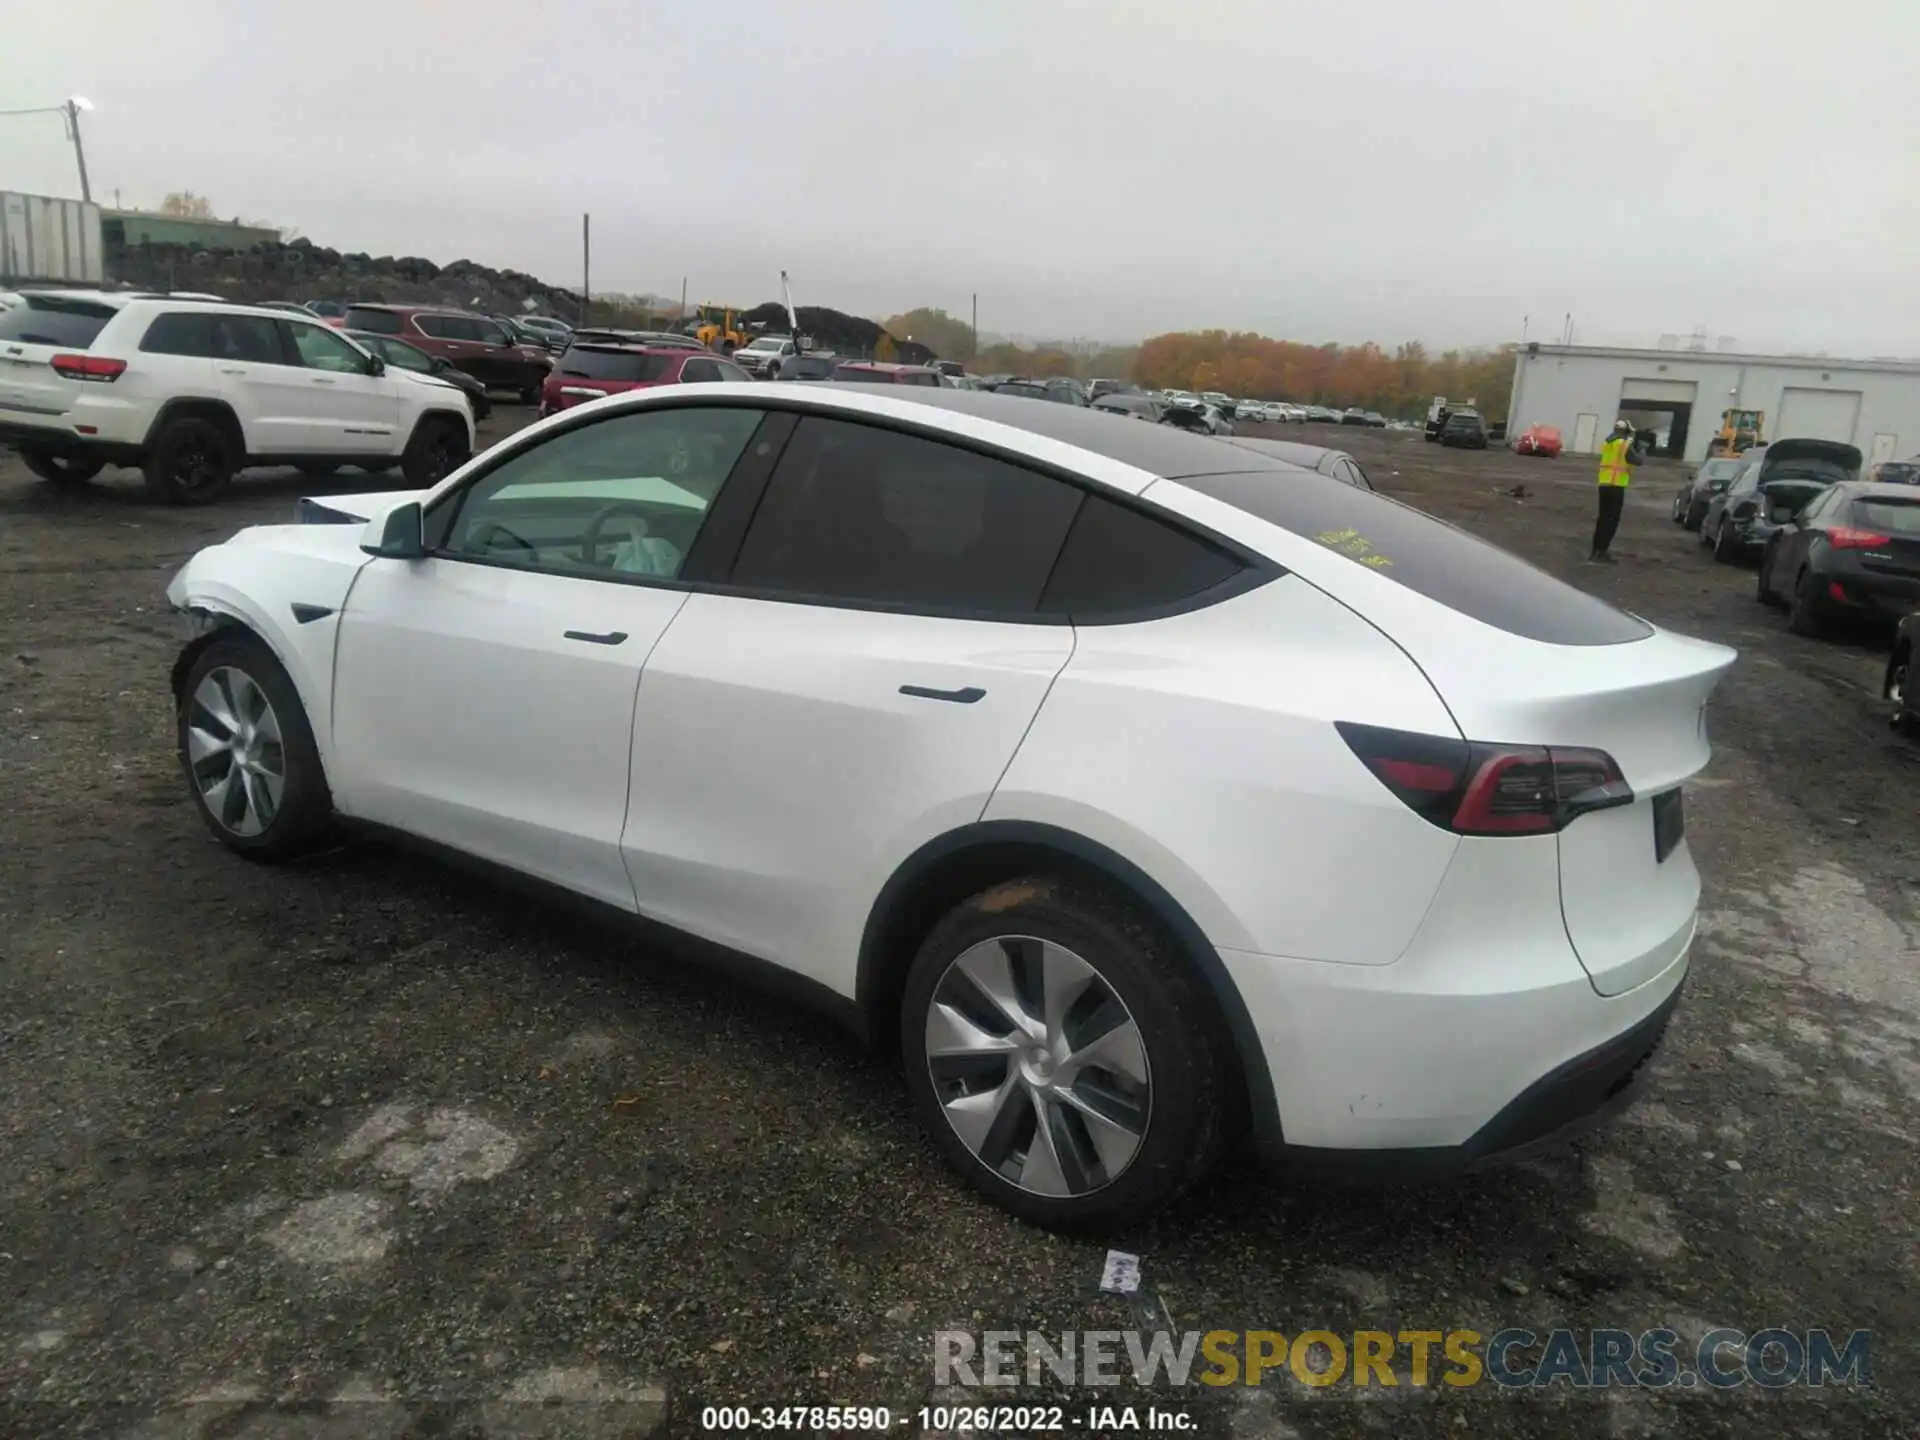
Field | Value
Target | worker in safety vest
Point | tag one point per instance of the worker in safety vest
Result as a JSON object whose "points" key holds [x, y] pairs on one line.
{"points": [[1617, 458]]}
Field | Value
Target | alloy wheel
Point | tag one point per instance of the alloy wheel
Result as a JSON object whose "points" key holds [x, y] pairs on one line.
{"points": [[194, 468], [235, 751], [1038, 1066]]}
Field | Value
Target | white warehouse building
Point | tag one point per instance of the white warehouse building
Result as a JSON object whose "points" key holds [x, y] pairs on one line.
{"points": [[1680, 394]]}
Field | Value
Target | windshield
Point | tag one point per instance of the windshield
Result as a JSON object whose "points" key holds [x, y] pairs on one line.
{"points": [[766, 343], [592, 362], [55, 320], [398, 352]]}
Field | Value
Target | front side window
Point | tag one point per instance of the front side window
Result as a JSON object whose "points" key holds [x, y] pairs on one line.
{"points": [[625, 496], [320, 349], [855, 513]]}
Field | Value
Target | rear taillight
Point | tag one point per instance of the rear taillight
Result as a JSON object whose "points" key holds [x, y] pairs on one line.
{"points": [[96, 368], [1473, 788], [1845, 537]]}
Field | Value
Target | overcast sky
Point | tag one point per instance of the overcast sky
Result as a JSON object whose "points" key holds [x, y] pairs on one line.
{"points": [[1365, 169]]}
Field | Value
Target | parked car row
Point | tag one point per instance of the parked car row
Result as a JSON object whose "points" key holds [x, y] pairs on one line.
{"points": [[1828, 546]]}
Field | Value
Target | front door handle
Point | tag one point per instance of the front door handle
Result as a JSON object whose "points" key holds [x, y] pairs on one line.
{"points": [[324, 380], [964, 696], [612, 637]]}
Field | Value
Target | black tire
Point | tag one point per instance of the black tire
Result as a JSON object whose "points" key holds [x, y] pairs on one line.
{"points": [[1193, 1102], [61, 469], [1695, 514], [1726, 550], [438, 448], [1679, 509], [191, 462], [304, 812], [1704, 538], [318, 470], [529, 395], [1763, 581], [1893, 689], [1803, 614]]}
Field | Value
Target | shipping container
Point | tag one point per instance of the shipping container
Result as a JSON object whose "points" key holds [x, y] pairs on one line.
{"points": [[48, 241]]}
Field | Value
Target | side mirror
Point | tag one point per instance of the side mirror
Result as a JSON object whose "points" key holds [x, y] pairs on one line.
{"points": [[401, 536], [376, 366]]}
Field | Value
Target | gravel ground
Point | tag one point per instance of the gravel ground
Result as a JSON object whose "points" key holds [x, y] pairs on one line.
{"points": [[366, 1146]]}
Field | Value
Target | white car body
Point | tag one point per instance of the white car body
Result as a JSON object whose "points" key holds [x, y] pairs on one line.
{"points": [[1393, 985], [284, 411], [764, 354]]}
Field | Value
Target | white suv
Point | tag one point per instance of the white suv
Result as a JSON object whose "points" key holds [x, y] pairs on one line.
{"points": [[1133, 786], [191, 392]]}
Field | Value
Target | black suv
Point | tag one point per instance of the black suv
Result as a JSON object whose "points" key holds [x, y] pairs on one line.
{"points": [[1464, 429]]}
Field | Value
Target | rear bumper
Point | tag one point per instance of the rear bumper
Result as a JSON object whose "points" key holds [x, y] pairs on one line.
{"points": [[60, 439], [1865, 593], [1570, 1100]]}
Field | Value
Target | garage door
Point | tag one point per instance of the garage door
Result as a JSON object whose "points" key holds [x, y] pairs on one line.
{"points": [[1670, 392], [1817, 415]]}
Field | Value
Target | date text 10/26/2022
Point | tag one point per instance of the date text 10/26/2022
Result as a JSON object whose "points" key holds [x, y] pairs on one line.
{"points": [[946, 1419]]}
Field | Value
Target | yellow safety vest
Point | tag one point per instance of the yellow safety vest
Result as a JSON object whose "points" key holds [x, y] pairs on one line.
{"points": [[1614, 469]]}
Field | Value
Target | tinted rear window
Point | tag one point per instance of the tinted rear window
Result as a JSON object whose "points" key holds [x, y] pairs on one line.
{"points": [[1889, 517], [593, 363], [181, 334], [49, 320], [1031, 392], [1445, 564], [803, 365], [380, 322], [1118, 560]]}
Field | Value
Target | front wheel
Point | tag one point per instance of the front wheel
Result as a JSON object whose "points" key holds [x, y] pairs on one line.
{"points": [[248, 751], [1064, 1057], [1763, 581], [1725, 550], [1894, 691], [61, 469]]}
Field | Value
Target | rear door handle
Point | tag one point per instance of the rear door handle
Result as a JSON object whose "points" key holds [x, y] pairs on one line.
{"points": [[964, 696], [324, 380], [612, 637]]}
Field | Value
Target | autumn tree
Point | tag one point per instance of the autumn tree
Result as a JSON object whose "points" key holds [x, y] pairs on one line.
{"points": [[185, 205], [948, 336]]}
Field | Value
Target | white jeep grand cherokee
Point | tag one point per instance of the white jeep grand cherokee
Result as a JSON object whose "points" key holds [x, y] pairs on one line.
{"points": [[191, 392]]}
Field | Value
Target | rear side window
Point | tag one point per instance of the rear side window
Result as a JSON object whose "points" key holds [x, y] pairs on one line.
{"points": [[590, 363], [251, 338], [855, 513], [179, 335], [1889, 517], [380, 322], [696, 372], [1439, 561], [447, 327], [1117, 560], [52, 320]]}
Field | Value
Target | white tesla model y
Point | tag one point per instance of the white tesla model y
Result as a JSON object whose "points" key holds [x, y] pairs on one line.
{"points": [[1142, 790]]}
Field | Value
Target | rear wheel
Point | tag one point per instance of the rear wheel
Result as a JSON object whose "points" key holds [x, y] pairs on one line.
{"points": [[248, 751], [1803, 615], [61, 469], [1063, 1057], [191, 462]]}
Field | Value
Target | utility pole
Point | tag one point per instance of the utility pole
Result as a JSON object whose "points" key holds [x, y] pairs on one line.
{"points": [[586, 266], [72, 111], [69, 111]]}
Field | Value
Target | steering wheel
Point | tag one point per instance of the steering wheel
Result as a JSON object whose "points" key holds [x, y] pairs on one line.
{"points": [[590, 540], [485, 539]]}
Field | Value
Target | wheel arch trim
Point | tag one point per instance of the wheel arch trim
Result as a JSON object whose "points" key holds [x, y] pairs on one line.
{"points": [[880, 970]]}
